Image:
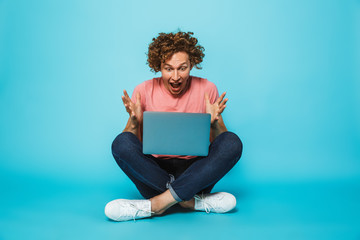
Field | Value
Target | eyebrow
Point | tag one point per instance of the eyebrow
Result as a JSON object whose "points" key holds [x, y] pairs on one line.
{"points": [[172, 66]]}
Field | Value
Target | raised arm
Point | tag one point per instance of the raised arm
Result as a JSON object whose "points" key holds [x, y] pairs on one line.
{"points": [[217, 123], [134, 124]]}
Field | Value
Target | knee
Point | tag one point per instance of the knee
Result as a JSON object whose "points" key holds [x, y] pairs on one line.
{"points": [[123, 144], [234, 144]]}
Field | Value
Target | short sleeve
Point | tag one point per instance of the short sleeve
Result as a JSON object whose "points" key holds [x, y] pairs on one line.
{"points": [[213, 92]]}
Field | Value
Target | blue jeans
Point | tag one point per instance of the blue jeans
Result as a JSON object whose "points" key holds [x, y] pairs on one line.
{"points": [[184, 178]]}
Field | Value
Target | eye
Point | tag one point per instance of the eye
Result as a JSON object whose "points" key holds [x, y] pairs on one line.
{"points": [[183, 68], [168, 69]]}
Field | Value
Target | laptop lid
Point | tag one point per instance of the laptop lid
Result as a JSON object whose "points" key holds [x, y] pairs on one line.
{"points": [[173, 133]]}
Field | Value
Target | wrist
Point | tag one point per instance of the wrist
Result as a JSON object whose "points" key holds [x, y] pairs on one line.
{"points": [[135, 123], [215, 124]]}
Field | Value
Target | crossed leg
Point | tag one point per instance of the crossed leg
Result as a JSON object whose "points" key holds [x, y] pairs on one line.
{"points": [[156, 184]]}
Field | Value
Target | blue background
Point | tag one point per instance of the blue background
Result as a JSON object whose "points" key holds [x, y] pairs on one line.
{"points": [[291, 73]]}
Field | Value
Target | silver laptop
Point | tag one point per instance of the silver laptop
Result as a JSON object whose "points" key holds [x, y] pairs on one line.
{"points": [[173, 133]]}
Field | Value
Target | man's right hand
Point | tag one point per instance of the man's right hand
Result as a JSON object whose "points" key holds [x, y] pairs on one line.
{"points": [[134, 110]]}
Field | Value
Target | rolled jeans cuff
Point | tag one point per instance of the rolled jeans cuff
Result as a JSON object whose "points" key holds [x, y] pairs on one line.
{"points": [[173, 193]]}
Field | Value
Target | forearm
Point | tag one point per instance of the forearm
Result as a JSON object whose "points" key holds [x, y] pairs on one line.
{"points": [[217, 128], [136, 130]]}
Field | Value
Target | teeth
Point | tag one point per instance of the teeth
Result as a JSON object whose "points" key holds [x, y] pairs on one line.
{"points": [[175, 85]]}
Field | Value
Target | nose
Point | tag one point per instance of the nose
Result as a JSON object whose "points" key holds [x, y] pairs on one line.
{"points": [[175, 75]]}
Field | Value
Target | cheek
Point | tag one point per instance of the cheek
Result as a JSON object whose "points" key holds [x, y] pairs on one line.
{"points": [[185, 75], [165, 75]]}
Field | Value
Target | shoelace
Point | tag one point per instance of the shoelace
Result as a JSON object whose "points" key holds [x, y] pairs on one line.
{"points": [[138, 210], [130, 205], [206, 204]]}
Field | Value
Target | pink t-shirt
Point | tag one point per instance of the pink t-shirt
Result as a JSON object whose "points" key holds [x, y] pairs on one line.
{"points": [[155, 97]]}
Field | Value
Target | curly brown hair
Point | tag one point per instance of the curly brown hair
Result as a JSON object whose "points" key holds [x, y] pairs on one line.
{"points": [[166, 44]]}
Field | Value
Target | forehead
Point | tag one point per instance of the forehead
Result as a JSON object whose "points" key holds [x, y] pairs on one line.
{"points": [[178, 59]]}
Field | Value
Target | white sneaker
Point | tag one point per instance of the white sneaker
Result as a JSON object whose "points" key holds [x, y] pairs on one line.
{"points": [[220, 202], [124, 209]]}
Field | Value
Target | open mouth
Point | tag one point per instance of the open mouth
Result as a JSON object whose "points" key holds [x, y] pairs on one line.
{"points": [[175, 86]]}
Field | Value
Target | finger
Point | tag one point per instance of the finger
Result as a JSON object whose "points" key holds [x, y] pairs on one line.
{"points": [[125, 101], [127, 98], [221, 98], [223, 102], [127, 104], [128, 109], [222, 109], [126, 95]]}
